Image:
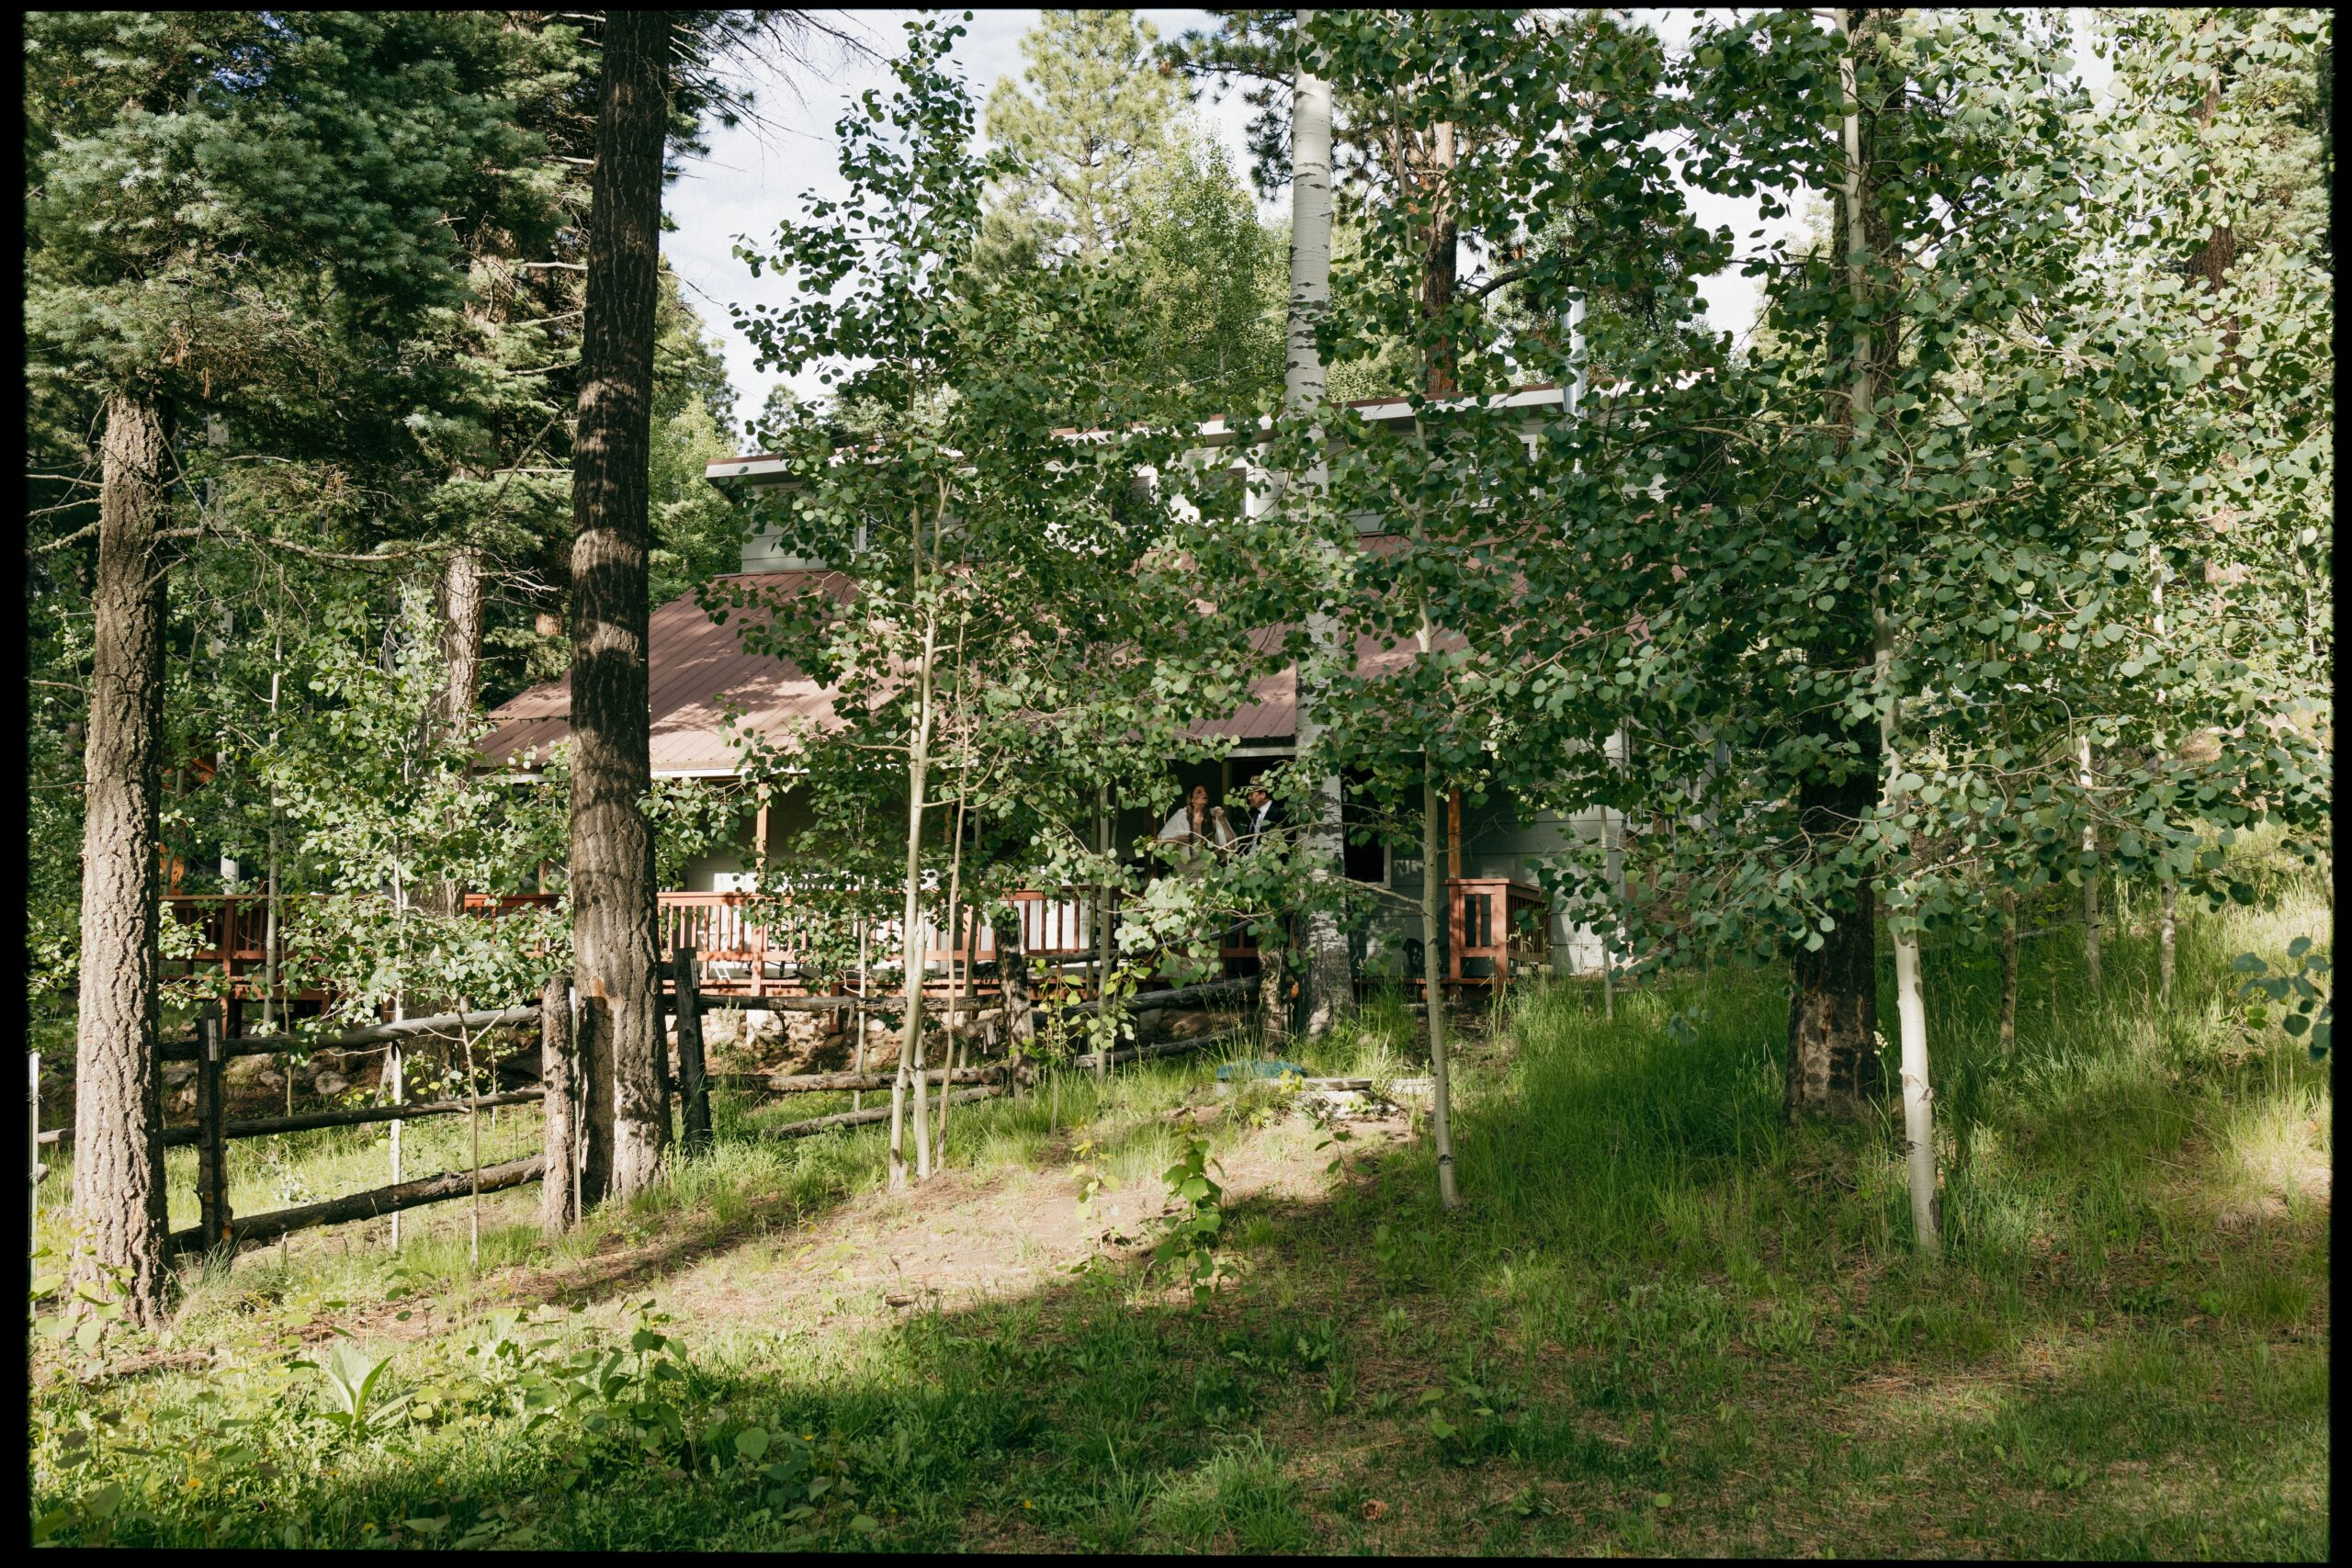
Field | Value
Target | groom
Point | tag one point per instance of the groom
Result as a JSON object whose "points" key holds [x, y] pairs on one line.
{"points": [[1266, 816]]}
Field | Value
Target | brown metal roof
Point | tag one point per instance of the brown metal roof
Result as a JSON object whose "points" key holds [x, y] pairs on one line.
{"points": [[697, 663]]}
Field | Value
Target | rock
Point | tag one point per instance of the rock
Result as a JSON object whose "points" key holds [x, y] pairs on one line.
{"points": [[331, 1083], [1149, 1020], [178, 1073]]}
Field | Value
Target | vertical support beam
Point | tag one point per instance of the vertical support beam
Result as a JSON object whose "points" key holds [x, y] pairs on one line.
{"points": [[694, 1081], [560, 1083], [212, 1145]]}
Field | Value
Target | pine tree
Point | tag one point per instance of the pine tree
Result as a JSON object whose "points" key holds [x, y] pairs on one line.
{"points": [[218, 206]]}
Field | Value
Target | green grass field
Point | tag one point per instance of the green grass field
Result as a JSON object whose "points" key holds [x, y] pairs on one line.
{"points": [[1662, 1323]]}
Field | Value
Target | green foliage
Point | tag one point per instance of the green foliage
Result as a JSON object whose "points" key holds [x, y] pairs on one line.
{"points": [[2304, 994], [1111, 165], [1190, 1239], [1003, 647], [394, 809], [1658, 1289]]}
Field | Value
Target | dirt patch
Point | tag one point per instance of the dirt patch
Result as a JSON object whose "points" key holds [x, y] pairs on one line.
{"points": [[964, 1236]]}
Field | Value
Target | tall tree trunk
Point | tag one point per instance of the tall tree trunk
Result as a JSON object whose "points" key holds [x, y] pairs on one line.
{"points": [[560, 1079], [1433, 911], [1328, 976], [614, 938], [118, 1100], [2167, 930], [958, 959], [2090, 869], [2009, 974], [911, 1031], [1103, 925], [1910, 1003], [459, 597], [2166, 890], [1833, 1066]]}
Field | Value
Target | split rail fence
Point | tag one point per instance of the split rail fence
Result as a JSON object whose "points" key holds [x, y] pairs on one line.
{"points": [[560, 1090]]}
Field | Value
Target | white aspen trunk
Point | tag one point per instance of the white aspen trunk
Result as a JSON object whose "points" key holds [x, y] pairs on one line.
{"points": [[1102, 923], [2165, 929], [2010, 973], [1330, 984], [473, 1132], [2166, 932], [393, 1070], [2090, 873], [857, 1012], [1918, 1095], [955, 978], [1433, 911], [911, 1032]]}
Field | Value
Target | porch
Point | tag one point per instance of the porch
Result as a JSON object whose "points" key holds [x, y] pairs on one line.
{"points": [[1495, 930]]}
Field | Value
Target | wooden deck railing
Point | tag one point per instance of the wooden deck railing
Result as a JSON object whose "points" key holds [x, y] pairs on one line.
{"points": [[740, 955], [1493, 926], [1493, 923]]}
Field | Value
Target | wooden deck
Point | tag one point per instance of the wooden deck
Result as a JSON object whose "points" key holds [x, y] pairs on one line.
{"points": [[1495, 927]]}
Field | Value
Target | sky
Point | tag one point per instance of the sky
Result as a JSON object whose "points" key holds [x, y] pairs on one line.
{"points": [[753, 175]]}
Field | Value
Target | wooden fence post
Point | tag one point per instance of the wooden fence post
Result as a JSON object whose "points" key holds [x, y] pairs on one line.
{"points": [[559, 1085], [694, 1081], [212, 1145]]}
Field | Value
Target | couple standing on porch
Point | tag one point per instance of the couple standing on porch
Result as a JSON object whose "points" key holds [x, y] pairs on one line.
{"points": [[1196, 825]]}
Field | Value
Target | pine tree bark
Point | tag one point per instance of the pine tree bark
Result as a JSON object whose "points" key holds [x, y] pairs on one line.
{"points": [[118, 1112], [560, 1079], [616, 949], [458, 596]]}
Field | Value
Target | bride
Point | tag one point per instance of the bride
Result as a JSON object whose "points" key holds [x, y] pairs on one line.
{"points": [[1196, 825]]}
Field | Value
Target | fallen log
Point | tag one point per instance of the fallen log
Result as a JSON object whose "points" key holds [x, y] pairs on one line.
{"points": [[875, 1113], [253, 1230], [375, 1033], [1181, 996], [1145, 1053], [310, 1121]]}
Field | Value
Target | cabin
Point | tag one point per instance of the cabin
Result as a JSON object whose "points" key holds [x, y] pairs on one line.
{"points": [[700, 672]]}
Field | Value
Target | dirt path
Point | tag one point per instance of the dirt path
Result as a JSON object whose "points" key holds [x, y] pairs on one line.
{"points": [[967, 1236]]}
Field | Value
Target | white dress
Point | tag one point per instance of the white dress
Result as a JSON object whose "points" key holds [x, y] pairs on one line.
{"points": [[1178, 830]]}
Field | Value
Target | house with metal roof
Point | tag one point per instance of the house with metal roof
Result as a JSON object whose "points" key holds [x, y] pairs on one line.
{"points": [[700, 672]]}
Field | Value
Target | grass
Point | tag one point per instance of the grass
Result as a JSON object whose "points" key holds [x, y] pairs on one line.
{"points": [[1663, 1322]]}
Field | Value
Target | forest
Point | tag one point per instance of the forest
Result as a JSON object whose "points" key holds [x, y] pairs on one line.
{"points": [[1271, 852]]}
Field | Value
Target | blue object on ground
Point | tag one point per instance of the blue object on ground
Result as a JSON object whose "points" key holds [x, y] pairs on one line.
{"points": [[1231, 1070]]}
